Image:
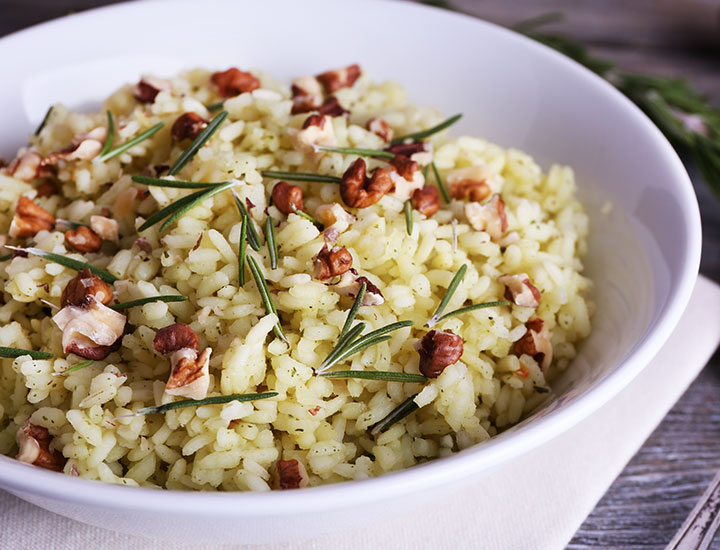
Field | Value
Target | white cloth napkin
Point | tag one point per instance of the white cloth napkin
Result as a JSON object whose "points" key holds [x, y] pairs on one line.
{"points": [[535, 502]]}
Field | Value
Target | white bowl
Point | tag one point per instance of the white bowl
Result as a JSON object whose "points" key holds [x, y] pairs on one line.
{"points": [[643, 257]]}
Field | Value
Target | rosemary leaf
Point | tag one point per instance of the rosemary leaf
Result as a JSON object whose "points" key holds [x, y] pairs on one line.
{"points": [[452, 287], [215, 106], [271, 242], [355, 151], [148, 300], [353, 310], [71, 225], [242, 251], [161, 182], [120, 149], [197, 143], [370, 339], [44, 121], [396, 415], [67, 262], [217, 400], [74, 368], [6, 257], [408, 217], [192, 204], [419, 136], [433, 320], [307, 216], [265, 295], [300, 176], [170, 209], [343, 342], [110, 135], [12, 353], [440, 183], [252, 234], [386, 376]]}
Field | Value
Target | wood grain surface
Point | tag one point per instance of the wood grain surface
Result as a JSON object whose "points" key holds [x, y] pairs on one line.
{"points": [[658, 488]]}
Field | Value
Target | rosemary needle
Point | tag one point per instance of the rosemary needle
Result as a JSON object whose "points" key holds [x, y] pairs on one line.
{"points": [[74, 368], [120, 149], [271, 242], [169, 209], [408, 217], [44, 121], [242, 250], [252, 234], [396, 415], [418, 136], [386, 376], [67, 262], [265, 295], [219, 399], [110, 135], [300, 176], [354, 309], [12, 353], [356, 151], [148, 300], [161, 182], [307, 216], [433, 320], [197, 143], [440, 183], [193, 203], [452, 287]]}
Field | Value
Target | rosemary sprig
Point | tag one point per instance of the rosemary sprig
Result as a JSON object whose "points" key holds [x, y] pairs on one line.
{"points": [[120, 149], [71, 225], [271, 242], [408, 217], [242, 250], [452, 287], [252, 234], [441, 184], [74, 368], [386, 376], [265, 295], [197, 143], [12, 353], [419, 136], [215, 106], [170, 209], [67, 262], [403, 410], [44, 121], [217, 400], [356, 151], [110, 135], [353, 310], [307, 216], [193, 203], [300, 176], [343, 342], [433, 320], [162, 182], [150, 299]]}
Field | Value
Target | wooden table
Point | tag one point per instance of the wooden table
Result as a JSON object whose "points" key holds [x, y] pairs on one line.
{"points": [[656, 491]]}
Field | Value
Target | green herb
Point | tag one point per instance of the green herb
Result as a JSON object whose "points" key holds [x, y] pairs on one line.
{"points": [[74, 368], [6, 257], [265, 296], [120, 149], [44, 121], [271, 242], [215, 106], [403, 410], [217, 400], [541, 389], [440, 183], [452, 287], [386, 376], [419, 136], [408, 217], [67, 262], [435, 320], [148, 300], [307, 216], [110, 135], [343, 341], [242, 251], [71, 225], [193, 203], [252, 234], [197, 143], [12, 353], [300, 176], [161, 182], [354, 309], [170, 209], [355, 151]]}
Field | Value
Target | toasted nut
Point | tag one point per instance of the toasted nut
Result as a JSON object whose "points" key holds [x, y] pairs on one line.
{"points": [[438, 349], [380, 128], [519, 290], [405, 166], [143, 244], [536, 343], [188, 126], [124, 202], [359, 191], [306, 94], [34, 442], [106, 228], [489, 217], [469, 183], [175, 337], [91, 331], [290, 474], [418, 151], [332, 81], [190, 375], [149, 87], [47, 188], [350, 284], [26, 167], [335, 218], [331, 262], [83, 239], [29, 219], [85, 288], [426, 200], [234, 82], [287, 198], [406, 177], [83, 147], [331, 107], [316, 130]]}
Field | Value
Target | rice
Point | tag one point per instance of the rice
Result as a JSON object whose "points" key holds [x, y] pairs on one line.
{"points": [[324, 424]]}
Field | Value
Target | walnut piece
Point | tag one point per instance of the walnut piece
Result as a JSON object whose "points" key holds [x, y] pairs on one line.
{"points": [[29, 219], [468, 183], [426, 200], [287, 198], [350, 283], [143, 244], [336, 79], [536, 343], [234, 82], [26, 167], [331, 262], [84, 289], [83, 239], [290, 474], [335, 219], [106, 228], [149, 87], [316, 130], [331, 107], [34, 443], [188, 126], [419, 151], [359, 191], [438, 349], [489, 217], [83, 147], [175, 337], [519, 290], [406, 177], [90, 331], [307, 94], [190, 374], [380, 128]]}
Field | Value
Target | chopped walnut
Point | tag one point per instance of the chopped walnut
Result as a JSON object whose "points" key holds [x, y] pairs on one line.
{"points": [[106, 228], [406, 177], [287, 198], [149, 87], [419, 151], [175, 337], [190, 374], [489, 217], [188, 126], [316, 130], [29, 219], [143, 244], [519, 290], [331, 262], [234, 82], [334, 80], [426, 200], [536, 343], [468, 183], [335, 219], [26, 167], [83, 147], [438, 349], [84, 289], [359, 191], [306, 94], [124, 202], [380, 128], [90, 331], [34, 443], [331, 107], [290, 474], [83, 239], [350, 283], [47, 188]]}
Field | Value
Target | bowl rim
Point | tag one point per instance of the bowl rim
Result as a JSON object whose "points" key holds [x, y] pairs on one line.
{"points": [[25, 479]]}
